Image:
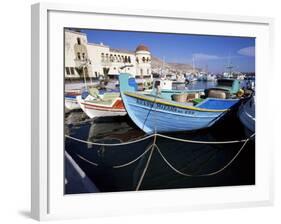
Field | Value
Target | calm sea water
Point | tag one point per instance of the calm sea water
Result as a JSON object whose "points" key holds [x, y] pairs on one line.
{"points": [[189, 158]]}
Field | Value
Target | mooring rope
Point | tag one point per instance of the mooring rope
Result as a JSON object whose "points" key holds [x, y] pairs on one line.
{"points": [[134, 160], [203, 142], [147, 163], [207, 174], [160, 135], [118, 166], [154, 146], [109, 144], [88, 161]]}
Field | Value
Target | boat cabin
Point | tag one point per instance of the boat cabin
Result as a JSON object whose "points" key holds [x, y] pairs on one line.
{"points": [[161, 84], [232, 85], [226, 88]]}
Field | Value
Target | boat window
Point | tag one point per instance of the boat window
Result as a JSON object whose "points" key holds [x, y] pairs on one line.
{"points": [[225, 82], [156, 83]]}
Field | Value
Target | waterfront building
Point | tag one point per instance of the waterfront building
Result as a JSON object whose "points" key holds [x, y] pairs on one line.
{"points": [[84, 59]]}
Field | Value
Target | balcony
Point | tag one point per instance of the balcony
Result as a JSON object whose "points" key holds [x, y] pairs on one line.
{"points": [[82, 62]]}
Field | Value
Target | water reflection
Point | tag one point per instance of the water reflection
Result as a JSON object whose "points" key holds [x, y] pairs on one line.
{"points": [[187, 157]]}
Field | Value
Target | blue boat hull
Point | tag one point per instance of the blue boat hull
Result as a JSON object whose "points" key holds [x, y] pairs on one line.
{"points": [[153, 114], [156, 117]]}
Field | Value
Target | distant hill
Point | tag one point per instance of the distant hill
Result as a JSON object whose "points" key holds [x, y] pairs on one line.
{"points": [[157, 63]]}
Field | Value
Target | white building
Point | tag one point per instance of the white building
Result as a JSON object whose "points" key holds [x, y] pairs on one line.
{"points": [[84, 59]]}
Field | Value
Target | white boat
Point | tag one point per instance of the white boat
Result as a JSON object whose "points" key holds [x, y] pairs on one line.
{"points": [[247, 115], [70, 101], [109, 105]]}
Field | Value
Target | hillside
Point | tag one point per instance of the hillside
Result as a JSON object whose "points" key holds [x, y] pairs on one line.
{"points": [[157, 64]]}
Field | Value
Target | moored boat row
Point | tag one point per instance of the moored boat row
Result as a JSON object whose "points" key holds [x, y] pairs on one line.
{"points": [[161, 108]]}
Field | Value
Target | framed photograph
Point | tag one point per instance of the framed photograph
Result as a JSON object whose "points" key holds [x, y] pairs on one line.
{"points": [[148, 111]]}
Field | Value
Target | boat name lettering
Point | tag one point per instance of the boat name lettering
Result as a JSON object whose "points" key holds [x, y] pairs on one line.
{"points": [[163, 107]]}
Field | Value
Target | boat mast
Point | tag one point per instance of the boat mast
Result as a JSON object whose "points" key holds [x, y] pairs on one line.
{"points": [[229, 65], [193, 65], [163, 62]]}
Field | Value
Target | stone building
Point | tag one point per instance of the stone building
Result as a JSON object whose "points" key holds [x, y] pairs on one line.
{"points": [[84, 59]]}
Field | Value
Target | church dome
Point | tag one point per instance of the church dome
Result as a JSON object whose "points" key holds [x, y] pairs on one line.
{"points": [[142, 47]]}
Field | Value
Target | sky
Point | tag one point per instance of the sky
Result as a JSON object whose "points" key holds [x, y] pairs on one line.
{"points": [[209, 52]]}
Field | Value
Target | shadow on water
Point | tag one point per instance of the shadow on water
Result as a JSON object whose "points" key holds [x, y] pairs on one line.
{"points": [[189, 158]]}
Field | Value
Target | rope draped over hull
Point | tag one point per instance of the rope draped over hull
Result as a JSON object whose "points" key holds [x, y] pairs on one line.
{"points": [[154, 147]]}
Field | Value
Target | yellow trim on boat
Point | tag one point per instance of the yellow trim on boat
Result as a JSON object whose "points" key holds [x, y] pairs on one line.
{"points": [[157, 100]]}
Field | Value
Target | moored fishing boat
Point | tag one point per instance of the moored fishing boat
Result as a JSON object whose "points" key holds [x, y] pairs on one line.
{"points": [[153, 113], [107, 105], [247, 115]]}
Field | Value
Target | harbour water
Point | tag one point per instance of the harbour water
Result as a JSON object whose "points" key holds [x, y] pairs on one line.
{"points": [[99, 162]]}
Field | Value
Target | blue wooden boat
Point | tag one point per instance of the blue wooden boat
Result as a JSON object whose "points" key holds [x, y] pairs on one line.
{"points": [[152, 113]]}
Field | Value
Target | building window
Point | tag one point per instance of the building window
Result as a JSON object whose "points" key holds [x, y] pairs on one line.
{"points": [[141, 72], [143, 59], [137, 60], [147, 59], [78, 55], [111, 58], [129, 59], [106, 57], [83, 56], [96, 74], [72, 70], [78, 41], [123, 58], [102, 57], [119, 58], [67, 70]]}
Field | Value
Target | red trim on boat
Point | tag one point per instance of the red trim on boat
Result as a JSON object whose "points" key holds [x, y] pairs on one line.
{"points": [[117, 105]]}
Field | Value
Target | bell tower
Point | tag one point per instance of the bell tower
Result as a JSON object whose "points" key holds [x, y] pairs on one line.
{"points": [[143, 61]]}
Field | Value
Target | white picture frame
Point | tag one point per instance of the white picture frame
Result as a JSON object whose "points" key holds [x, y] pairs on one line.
{"points": [[48, 201]]}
